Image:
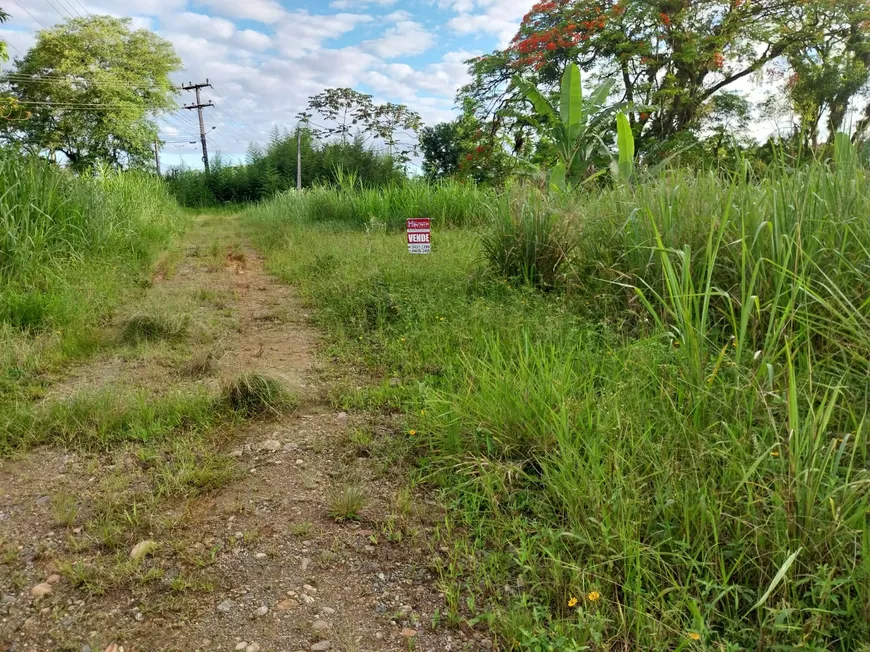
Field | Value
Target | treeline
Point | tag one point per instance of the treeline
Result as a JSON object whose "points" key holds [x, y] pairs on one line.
{"points": [[272, 169]]}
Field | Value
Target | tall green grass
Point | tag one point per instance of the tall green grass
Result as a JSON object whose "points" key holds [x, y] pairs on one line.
{"points": [[448, 204], [70, 246], [667, 452]]}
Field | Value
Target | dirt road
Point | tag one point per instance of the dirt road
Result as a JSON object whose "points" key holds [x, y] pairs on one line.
{"points": [[238, 548]]}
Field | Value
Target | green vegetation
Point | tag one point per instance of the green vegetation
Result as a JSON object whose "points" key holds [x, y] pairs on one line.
{"points": [[96, 63], [448, 203], [70, 249], [646, 406], [272, 169]]}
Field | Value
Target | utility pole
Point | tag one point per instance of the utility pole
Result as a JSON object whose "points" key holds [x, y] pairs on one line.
{"points": [[298, 157], [157, 155], [199, 106]]}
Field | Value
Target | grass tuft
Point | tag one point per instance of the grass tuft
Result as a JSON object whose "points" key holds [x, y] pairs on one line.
{"points": [[347, 503], [255, 395], [152, 328]]}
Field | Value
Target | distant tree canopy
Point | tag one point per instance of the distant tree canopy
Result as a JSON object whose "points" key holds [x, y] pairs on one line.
{"points": [[272, 169], [674, 57], [92, 88], [349, 112]]}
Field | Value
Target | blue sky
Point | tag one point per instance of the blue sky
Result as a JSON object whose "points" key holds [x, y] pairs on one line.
{"points": [[265, 57]]}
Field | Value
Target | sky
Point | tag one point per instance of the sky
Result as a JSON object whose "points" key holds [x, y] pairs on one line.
{"points": [[264, 58]]}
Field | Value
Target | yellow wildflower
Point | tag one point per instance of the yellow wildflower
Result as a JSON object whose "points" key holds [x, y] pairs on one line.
{"points": [[572, 602], [412, 432], [594, 596], [695, 636], [774, 453]]}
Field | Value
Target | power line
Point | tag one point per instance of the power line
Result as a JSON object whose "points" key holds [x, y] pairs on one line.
{"points": [[20, 78], [32, 15], [230, 106], [63, 16]]}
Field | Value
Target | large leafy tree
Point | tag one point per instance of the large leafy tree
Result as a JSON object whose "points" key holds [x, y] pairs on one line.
{"points": [[93, 87], [673, 55], [826, 73]]}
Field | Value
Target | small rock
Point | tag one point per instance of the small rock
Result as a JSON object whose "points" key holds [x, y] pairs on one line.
{"points": [[342, 415], [43, 500], [206, 642], [226, 605], [405, 610], [321, 646], [87, 648], [261, 611], [407, 632], [253, 647], [307, 599], [300, 462], [320, 626], [270, 445], [236, 453], [309, 589], [291, 446], [53, 579], [7, 599], [260, 555], [142, 549], [328, 611], [41, 589], [241, 645], [286, 605], [306, 562]]}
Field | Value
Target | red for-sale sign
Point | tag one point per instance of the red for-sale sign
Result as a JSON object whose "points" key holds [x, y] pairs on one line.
{"points": [[419, 236]]}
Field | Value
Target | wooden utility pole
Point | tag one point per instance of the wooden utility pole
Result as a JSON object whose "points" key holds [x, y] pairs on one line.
{"points": [[157, 155], [298, 157], [199, 106]]}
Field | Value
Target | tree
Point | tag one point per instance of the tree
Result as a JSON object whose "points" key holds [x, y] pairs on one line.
{"points": [[442, 148], [391, 122], [674, 55], [826, 73], [94, 87], [345, 109]]}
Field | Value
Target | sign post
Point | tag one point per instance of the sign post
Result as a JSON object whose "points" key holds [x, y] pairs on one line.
{"points": [[419, 236]]}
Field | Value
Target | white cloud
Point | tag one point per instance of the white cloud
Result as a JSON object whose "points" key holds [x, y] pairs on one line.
{"points": [[499, 17], [360, 4], [406, 38], [264, 11], [302, 33]]}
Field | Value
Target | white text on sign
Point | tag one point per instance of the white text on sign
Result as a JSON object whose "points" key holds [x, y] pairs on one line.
{"points": [[419, 236]]}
